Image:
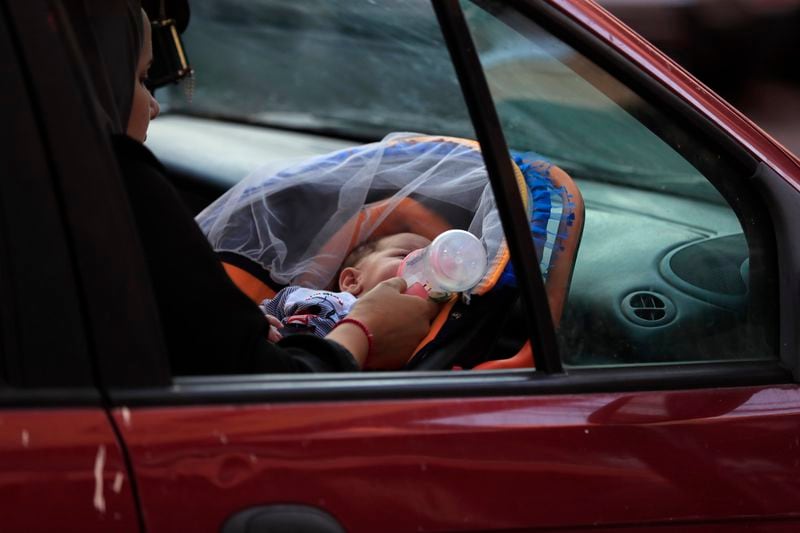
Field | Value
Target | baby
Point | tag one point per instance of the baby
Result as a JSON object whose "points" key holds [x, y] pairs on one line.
{"points": [[300, 310]]}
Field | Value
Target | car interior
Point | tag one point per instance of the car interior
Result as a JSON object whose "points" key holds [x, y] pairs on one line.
{"points": [[660, 266]]}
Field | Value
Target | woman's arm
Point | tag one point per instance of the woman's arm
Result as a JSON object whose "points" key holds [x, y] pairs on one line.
{"points": [[397, 322]]}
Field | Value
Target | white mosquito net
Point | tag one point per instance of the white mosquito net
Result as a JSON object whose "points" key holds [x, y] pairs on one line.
{"points": [[298, 223]]}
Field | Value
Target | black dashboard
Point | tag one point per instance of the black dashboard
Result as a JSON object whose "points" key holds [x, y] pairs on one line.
{"points": [[658, 278]]}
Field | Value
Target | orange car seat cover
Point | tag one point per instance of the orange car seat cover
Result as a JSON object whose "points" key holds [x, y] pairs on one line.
{"points": [[522, 359], [253, 287], [436, 325]]}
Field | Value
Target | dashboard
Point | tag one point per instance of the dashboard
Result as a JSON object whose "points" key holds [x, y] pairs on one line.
{"points": [[657, 278]]}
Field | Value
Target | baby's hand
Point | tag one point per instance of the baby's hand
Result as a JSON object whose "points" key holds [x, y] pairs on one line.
{"points": [[274, 324]]}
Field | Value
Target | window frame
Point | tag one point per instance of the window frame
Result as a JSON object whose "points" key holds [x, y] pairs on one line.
{"points": [[736, 189], [428, 385], [768, 186], [273, 388], [147, 384]]}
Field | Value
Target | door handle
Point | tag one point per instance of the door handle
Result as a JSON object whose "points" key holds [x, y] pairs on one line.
{"points": [[283, 518]]}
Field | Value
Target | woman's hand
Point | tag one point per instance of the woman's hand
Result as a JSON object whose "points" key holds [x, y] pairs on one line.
{"points": [[397, 321]]}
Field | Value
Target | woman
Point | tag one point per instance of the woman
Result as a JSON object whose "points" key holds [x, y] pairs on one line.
{"points": [[210, 327]]}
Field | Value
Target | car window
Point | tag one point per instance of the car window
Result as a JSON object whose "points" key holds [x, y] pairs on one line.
{"points": [[667, 270], [353, 69], [346, 70]]}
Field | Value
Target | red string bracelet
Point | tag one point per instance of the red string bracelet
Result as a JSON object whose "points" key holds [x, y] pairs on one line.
{"points": [[363, 327]]}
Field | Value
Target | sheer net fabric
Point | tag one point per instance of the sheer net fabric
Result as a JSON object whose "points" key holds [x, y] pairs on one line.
{"points": [[299, 222]]}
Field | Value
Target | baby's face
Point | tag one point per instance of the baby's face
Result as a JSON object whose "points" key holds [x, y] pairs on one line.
{"points": [[390, 251]]}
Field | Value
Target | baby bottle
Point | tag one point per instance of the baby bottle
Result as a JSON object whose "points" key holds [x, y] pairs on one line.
{"points": [[454, 262]]}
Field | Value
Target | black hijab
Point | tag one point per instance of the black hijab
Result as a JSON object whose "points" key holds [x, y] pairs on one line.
{"points": [[110, 35], [209, 325]]}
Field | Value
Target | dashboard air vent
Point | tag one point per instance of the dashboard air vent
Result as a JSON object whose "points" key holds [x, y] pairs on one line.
{"points": [[648, 308]]}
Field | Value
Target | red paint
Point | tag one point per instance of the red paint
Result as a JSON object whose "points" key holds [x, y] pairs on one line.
{"points": [[702, 460], [723, 455], [671, 75], [47, 473]]}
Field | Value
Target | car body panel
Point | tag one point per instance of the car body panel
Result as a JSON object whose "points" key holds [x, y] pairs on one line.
{"points": [[712, 459], [477, 464], [62, 469]]}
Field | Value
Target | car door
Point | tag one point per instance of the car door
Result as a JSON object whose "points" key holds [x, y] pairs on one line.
{"points": [[61, 464], [600, 435]]}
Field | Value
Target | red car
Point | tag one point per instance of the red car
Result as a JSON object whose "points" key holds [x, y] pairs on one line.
{"points": [[665, 400]]}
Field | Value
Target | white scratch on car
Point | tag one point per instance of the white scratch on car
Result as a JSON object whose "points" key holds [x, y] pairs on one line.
{"points": [[26, 438], [126, 416], [99, 464], [118, 479]]}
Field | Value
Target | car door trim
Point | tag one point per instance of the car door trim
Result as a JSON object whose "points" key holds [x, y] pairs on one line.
{"points": [[11, 397], [431, 385]]}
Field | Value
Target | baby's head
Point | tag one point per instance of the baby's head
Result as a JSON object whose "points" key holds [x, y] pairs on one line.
{"points": [[376, 261]]}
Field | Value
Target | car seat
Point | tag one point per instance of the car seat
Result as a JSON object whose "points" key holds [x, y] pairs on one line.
{"points": [[407, 182], [561, 266], [477, 336]]}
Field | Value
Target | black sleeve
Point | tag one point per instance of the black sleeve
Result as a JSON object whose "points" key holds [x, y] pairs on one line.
{"points": [[209, 325]]}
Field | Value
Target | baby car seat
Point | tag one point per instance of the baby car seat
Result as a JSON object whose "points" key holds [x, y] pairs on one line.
{"points": [[295, 225]]}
